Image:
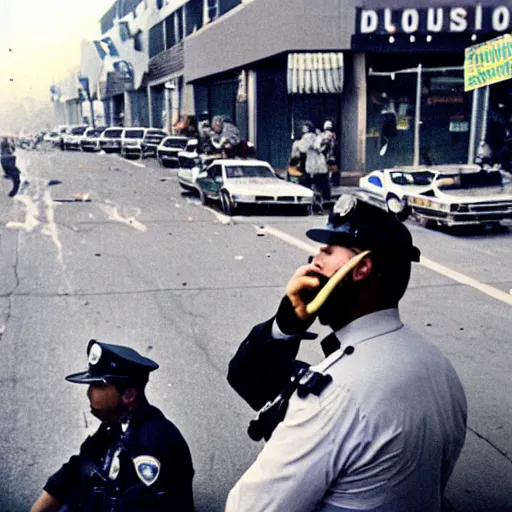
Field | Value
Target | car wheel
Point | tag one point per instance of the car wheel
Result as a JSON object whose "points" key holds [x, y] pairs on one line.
{"points": [[226, 203], [306, 210]]}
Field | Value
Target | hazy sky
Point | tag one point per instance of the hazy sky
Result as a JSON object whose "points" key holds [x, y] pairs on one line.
{"points": [[40, 41]]}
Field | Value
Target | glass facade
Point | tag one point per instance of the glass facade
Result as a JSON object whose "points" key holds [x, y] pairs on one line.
{"points": [[445, 118]]}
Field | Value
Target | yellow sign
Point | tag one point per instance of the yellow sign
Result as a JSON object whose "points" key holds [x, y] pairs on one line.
{"points": [[488, 63]]}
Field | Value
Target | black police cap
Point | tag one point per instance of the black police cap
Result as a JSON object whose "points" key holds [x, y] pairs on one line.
{"points": [[355, 223], [113, 363]]}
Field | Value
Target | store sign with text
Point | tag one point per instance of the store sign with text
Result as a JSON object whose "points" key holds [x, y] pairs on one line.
{"points": [[431, 20], [488, 63]]}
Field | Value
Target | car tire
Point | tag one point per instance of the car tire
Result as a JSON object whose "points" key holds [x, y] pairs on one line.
{"points": [[226, 203], [306, 210]]}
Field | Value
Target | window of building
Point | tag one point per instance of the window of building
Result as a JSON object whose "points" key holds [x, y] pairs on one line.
{"points": [[193, 16], [156, 39], [170, 35], [174, 28], [211, 10], [227, 5]]}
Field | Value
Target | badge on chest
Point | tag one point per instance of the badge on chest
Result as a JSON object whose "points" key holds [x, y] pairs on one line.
{"points": [[147, 468]]}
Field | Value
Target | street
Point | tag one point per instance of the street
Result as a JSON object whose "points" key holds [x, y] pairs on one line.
{"points": [[134, 260]]}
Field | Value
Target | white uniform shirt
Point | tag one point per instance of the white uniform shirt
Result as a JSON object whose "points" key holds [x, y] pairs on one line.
{"points": [[383, 436]]}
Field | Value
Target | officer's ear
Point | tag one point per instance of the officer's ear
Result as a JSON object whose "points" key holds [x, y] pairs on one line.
{"points": [[129, 396], [363, 270]]}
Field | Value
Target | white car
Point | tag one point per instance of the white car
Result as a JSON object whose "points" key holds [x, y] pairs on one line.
{"points": [[383, 186], [71, 140], [237, 183], [447, 195], [169, 149]]}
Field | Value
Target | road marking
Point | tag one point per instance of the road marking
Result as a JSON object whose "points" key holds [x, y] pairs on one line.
{"points": [[31, 214], [113, 214], [495, 293], [469, 281], [130, 161]]}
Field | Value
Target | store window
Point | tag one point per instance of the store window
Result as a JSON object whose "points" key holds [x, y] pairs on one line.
{"points": [[391, 115]]}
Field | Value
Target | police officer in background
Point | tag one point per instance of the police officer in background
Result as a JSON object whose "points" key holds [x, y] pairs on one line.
{"points": [[8, 161], [137, 460], [379, 424]]}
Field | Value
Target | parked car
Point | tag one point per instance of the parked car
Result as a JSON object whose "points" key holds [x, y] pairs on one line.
{"points": [[90, 140], [151, 140], [447, 195], [236, 183], [52, 137], [191, 164], [71, 140], [169, 148], [465, 198], [131, 142], [110, 140]]}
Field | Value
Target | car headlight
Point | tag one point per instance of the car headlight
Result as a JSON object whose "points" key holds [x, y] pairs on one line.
{"points": [[243, 198]]}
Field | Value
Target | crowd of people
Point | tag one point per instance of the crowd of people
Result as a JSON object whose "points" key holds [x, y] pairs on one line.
{"points": [[314, 156]]}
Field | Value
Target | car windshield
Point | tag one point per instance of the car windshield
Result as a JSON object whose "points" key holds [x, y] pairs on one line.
{"points": [[412, 178], [112, 133], [175, 143], [134, 134], [469, 180], [249, 171], [79, 130]]}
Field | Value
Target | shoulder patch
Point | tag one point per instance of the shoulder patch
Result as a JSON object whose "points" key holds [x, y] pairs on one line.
{"points": [[147, 468]]}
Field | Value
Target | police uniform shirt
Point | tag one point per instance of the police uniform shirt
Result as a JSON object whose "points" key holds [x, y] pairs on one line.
{"points": [[383, 436], [153, 470]]}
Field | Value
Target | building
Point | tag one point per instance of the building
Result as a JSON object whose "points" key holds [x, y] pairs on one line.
{"points": [[390, 79]]}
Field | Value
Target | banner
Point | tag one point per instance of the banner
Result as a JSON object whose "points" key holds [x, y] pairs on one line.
{"points": [[488, 63]]}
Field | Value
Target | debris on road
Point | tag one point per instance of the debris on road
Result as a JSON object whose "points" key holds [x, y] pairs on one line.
{"points": [[239, 258], [54, 182], [260, 231], [190, 219], [97, 254]]}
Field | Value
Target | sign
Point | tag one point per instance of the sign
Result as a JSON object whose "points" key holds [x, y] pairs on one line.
{"points": [[488, 63], [432, 20]]}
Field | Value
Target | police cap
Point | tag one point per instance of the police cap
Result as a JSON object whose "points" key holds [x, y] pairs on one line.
{"points": [[113, 363], [355, 223]]}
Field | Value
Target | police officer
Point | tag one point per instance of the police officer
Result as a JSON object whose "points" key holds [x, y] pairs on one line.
{"points": [[8, 161], [376, 426], [137, 460]]}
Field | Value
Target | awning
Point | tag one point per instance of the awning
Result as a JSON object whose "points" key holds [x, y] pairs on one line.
{"points": [[315, 73]]}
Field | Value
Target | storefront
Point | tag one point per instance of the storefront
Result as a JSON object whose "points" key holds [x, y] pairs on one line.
{"points": [[417, 109], [274, 83]]}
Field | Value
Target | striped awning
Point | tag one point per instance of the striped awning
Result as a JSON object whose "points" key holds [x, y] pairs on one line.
{"points": [[315, 73]]}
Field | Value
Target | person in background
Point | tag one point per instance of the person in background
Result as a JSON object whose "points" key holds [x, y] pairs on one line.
{"points": [[225, 136], [8, 161], [137, 461]]}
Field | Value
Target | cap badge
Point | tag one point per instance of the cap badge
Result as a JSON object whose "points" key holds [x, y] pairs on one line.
{"points": [[147, 468], [95, 354], [345, 204]]}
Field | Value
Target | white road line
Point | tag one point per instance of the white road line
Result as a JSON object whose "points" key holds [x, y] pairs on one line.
{"points": [[469, 281], [495, 293], [131, 162]]}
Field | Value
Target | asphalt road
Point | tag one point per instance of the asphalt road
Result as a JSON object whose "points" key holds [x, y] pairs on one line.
{"points": [[143, 264]]}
